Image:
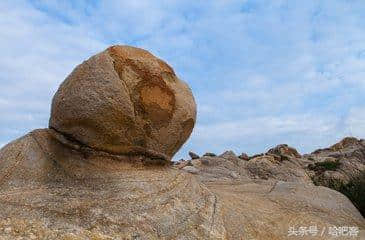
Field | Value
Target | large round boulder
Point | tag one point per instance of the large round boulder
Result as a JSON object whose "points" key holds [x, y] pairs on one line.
{"points": [[126, 101]]}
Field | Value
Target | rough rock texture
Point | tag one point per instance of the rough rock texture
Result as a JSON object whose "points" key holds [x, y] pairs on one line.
{"points": [[273, 191], [280, 163], [268, 166], [124, 100], [224, 167], [283, 150], [266, 210], [339, 163], [340, 167], [277, 164], [52, 189]]}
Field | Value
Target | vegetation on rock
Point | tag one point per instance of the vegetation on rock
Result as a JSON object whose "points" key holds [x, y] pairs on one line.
{"points": [[354, 189], [325, 165]]}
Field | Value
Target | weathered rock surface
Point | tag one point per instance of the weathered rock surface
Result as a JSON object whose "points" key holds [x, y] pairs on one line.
{"points": [[280, 163], [53, 191], [273, 191], [340, 167], [266, 210], [283, 150], [124, 100], [50, 190], [339, 163]]}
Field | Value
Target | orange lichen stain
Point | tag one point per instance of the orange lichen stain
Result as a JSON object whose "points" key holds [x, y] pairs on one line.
{"points": [[155, 95], [165, 66]]}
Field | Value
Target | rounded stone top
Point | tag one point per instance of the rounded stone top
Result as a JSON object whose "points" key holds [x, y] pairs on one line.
{"points": [[125, 101]]}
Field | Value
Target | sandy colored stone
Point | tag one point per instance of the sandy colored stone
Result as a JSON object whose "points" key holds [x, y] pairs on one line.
{"points": [[266, 210], [124, 100], [53, 191], [284, 150], [270, 166]]}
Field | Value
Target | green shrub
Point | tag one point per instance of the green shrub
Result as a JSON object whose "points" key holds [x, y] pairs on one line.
{"points": [[326, 165], [329, 165]]}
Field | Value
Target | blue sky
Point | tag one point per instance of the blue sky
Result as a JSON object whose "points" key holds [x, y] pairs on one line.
{"points": [[262, 72]]}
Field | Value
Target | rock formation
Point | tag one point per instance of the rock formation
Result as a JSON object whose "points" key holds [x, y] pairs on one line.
{"points": [[124, 100], [102, 169], [244, 156], [340, 167], [193, 155]]}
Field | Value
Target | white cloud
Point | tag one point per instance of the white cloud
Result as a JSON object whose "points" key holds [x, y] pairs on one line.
{"points": [[38, 51], [265, 126]]}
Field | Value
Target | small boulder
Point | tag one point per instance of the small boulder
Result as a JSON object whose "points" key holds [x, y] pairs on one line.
{"points": [[193, 155], [244, 156], [209, 154], [228, 154], [285, 151], [125, 101], [345, 143]]}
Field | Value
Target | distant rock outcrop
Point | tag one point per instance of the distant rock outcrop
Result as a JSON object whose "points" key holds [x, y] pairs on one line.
{"points": [[193, 155], [102, 169], [283, 150], [209, 154], [272, 187], [340, 167], [244, 156]]}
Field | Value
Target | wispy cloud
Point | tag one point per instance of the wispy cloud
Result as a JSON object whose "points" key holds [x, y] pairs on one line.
{"points": [[263, 72]]}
